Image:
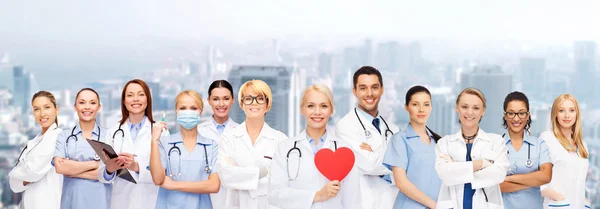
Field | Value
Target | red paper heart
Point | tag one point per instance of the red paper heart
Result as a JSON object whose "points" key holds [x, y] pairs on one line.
{"points": [[335, 165]]}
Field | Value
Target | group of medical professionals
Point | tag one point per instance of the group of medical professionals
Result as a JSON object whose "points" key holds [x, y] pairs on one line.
{"points": [[223, 164]]}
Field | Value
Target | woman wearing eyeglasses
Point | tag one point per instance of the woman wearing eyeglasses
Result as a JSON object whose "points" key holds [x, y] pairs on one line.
{"points": [[245, 152], [32, 174], [529, 158]]}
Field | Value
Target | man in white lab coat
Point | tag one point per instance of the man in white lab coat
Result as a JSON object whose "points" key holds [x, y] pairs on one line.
{"points": [[367, 133]]}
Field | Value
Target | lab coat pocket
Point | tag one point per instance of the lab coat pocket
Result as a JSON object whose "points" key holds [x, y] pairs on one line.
{"points": [[565, 204], [489, 154], [494, 206]]}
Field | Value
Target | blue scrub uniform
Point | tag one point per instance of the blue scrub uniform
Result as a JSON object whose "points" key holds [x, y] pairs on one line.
{"points": [[191, 169], [81, 193], [538, 154], [407, 151]]}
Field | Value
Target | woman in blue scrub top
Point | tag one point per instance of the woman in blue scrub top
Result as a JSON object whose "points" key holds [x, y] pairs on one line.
{"points": [[411, 155], [190, 174], [529, 157], [77, 161]]}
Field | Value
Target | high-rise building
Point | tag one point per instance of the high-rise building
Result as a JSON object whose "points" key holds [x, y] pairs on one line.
{"points": [[585, 71], [282, 114], [157, 102], [533, 79], [495, 85], [442, 119], [325, 68], [22, 88]]}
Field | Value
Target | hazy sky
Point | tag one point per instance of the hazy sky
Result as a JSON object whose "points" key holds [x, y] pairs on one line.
{"points": [[307, 19]]}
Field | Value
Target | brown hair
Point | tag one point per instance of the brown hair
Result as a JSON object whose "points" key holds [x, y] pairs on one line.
{"points": [[48, 95], [147, 112]]}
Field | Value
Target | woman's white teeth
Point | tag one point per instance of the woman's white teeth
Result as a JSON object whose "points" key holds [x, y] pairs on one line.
{"points": [[44, 119]]}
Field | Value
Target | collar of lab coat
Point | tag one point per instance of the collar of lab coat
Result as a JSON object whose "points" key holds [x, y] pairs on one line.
{"points": [[480, 135], [526, 138], [330, 136], [177, 138], [212, 124], [266, 132]]}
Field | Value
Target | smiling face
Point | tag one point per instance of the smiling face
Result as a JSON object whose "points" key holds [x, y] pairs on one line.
{"points": [[254, 105], [87, 105], [136, 100], [567, 114], [419, 108], [221, 100], [470, 110], [516, 116], [368, 91], [316, 109], [44, 111]]}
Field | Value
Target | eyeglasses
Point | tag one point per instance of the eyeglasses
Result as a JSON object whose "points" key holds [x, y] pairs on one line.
{"points": [[247, 100], [512, 115]]}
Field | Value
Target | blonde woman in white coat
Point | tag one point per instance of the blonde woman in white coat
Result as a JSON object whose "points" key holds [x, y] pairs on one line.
{"points": [[471, 163], [295, 181], [246, 152], [131, 139], [569, 155], [33, 175], [220, 98]]}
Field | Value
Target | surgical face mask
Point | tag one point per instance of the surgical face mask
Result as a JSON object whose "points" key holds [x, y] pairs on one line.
{"points": [[188, 118]]}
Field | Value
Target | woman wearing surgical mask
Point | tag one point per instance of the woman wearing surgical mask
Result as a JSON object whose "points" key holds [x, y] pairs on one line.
{"points": [[411, 155], [569, 155], [220, 98], [295, 181], [183, 164], [32, 174], [245, 153], [529, 158], [471, 162]]}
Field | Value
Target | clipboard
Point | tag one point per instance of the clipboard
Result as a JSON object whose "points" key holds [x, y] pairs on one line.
{"points": [[100, 148]]}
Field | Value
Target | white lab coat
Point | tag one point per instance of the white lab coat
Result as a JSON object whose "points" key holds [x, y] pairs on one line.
{"points": [[569, 173], [126, 195], [376, 192], [456, 174], [299, 192], [45, 189], [239, 164], [209, 130]]}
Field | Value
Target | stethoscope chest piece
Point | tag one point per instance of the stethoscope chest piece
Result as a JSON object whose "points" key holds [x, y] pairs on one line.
{"points": [[96, 157], [529, 163]]}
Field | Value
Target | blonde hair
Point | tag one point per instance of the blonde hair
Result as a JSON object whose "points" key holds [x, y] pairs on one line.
{"points": [[258, 87], [472, 91], [576, 128], [192, 94], [321, 88]]}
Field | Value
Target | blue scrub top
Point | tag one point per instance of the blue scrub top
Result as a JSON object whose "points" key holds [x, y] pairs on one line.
{"points": [[407, 151], [529, 198], [81, 193], [192, 169]]}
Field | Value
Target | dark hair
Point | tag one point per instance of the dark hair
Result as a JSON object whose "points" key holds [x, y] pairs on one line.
{"points": [[220, 84], [87, 89], [147, 112], [366, 70], [48, 95], [516, 96], [420, 89]]}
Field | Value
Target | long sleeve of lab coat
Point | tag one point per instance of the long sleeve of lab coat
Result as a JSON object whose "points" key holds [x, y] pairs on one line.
{"points": [[36, 164], [456, 173], [280, 194], [231, 175], [369, 163]]}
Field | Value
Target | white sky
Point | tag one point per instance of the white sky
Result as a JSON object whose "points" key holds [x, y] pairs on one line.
{"points": [[239, 20]]}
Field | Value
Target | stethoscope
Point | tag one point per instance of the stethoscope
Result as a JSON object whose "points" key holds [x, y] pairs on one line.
{"points": [[368, 133], [96, 157], [25, 148], [529, 162], [295, 148], [120, 130], [207, 167]]}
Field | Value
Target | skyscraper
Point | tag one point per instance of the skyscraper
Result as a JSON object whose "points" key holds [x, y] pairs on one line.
{"points": [[281, 116], [585, 71], [533, 77], [325, 68], [22, 88], [495, 85], [443, 118]]}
